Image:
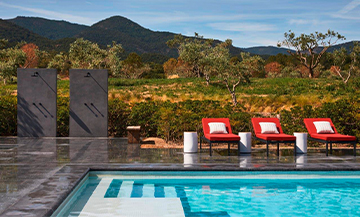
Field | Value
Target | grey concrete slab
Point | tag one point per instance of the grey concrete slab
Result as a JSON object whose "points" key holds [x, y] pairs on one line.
{"points": [[36, 106], [37, 174], [88, 103]]}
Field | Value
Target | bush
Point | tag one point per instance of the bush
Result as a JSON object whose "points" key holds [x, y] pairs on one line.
{"points": [[63, 116], [118, 117], [343, 113], [8, 115], [169, 120]]}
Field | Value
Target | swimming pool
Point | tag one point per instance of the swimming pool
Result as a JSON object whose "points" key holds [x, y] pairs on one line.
{"points": [[125, 193]]}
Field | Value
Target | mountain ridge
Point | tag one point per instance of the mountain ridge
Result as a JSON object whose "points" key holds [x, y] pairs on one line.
{"points": [[57, 35]]}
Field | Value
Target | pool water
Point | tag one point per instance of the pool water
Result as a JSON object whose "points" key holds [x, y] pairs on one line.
{"points": [[215, 194]]}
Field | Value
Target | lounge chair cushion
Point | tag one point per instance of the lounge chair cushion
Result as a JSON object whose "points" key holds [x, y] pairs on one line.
{"points": [[323, 127], [276, 137], [217, 128], [310, 126], [257, 128], [206, 121], [268, 128], [222, 137], [333, 137]]}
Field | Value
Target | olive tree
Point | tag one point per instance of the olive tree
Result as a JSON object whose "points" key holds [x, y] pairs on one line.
{"points": [[85, 54], [307, 47], [60, 62], [340, 57], [230, 71], [234, 73], [10, 59], [193, 51]]}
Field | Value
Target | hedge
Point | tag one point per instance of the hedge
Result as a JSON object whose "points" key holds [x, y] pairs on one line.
{"points": [[169, 120]]}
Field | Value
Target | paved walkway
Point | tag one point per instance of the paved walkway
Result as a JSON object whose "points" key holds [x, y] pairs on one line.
{"points": [[37, 174]]}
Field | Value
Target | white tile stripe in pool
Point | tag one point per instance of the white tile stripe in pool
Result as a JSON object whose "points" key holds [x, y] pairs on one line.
{"points": [[125, 189], [97, 205], [148, 190]]}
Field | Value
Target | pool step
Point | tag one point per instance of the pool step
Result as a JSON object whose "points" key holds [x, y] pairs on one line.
{"points": [[108, 200]]}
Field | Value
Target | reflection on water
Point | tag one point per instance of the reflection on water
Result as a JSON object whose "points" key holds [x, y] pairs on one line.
{"points": [[245, 161], [8, 168], [190, 159], [301, 160], [119, 151]]}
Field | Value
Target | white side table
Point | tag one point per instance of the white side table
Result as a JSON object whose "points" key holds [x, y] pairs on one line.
{"points": [[190, 142], [301, 143], [245, 142]]}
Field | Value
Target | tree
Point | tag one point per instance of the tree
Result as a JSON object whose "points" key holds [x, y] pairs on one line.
{"points": [[10, 60], [215, 59], [133, 67], [231, 71], [85, 54], [43, 58], [340, 57], [193, 52], [62, 63], [113, 58], [273, 69], [170, 66], [32, 58], [307, 46], [254, 65]]}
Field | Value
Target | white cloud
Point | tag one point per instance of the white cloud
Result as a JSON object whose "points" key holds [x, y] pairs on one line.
{"points": [[242, 27], [349, 7], [176, 17], [348, 12], [314, 22], [51, 14]]}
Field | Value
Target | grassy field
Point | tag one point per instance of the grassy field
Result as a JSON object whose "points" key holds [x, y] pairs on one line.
{"points": [[261, 95]]}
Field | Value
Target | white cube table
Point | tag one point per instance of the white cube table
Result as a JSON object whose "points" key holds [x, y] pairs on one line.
{"points": [[190, 142]]}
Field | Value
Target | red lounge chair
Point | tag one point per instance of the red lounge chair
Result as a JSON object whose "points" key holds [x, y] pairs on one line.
{"points": [[219, 138], [272, 138], [328, 137]]}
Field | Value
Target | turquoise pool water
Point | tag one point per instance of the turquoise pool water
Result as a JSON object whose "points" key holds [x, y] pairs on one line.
{"points": [[215, 194]]}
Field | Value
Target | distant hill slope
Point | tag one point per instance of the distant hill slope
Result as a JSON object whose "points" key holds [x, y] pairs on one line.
{"points": [[266, 50], [347, 46], [51, 29], [132, 36], [14, 34]]}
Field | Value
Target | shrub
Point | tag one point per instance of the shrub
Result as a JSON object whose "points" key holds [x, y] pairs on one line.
{"points": [[344, 114], [8, 116], [63, 116], [146, 115], [118, 117]]}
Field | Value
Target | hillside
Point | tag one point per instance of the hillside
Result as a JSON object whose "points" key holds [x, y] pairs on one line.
{"points": [[266, 50], [132, 36], [51, 29], [14, 34]]}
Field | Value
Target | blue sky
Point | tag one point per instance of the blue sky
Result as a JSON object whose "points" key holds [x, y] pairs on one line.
{"points": [[247, 22]]}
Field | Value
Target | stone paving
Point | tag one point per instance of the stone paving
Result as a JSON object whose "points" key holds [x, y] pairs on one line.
{"points": [[37, 174]]}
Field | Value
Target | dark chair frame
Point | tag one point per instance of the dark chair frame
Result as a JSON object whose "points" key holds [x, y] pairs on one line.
{"points": [[219, 141], [331, 142], [275, 142]]}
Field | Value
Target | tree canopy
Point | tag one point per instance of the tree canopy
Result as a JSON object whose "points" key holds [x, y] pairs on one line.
{"points": [[307, 47]]}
